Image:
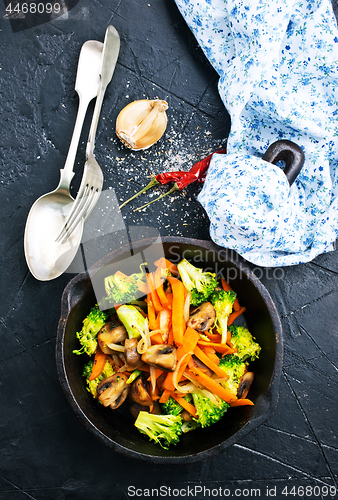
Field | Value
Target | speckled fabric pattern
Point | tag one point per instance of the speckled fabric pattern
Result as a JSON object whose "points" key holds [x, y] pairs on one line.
{"points": [[278, 75]]}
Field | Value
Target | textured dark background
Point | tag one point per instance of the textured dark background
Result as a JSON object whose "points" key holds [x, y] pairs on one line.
{"points": [[45, 453]]}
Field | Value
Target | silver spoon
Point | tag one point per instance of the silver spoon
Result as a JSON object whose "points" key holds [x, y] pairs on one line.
{"points": [[47, 259]]}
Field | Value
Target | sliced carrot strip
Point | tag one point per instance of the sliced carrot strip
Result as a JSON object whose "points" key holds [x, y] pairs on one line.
{"points": [[153, 324], [178, 323], [165, 396], [158, 281], [168, 382], [154, 297], [98, 364], [214, 337], [211, 353], [210, 384], [207, 361], [120, 274], [171, 337], [242, 402], [235, 315], [221, 348], [227, 287], [169, 296], [185, 404], [157, 339]]}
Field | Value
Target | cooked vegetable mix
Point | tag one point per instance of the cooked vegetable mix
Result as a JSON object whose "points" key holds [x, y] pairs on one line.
{"points": [[175, 356]]}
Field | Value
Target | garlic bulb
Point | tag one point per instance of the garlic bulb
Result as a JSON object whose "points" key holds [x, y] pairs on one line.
{"points": [[142, 123]]}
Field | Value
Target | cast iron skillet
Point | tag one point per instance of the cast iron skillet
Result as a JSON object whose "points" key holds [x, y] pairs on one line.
{"points": [[115, 428]]}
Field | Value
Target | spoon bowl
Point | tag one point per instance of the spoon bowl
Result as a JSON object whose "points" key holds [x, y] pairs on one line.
{"points": [[46, 258]]}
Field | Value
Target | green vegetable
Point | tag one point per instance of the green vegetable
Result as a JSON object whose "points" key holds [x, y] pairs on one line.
{"points": [[171, 407], [209, 407], [190, 426], [132, 320], [133, 376], [90, 328], [235, 368], [123, 289], [107, 371], [163, 429], [242, 339], [165, 273], [222, 302], [200, 283]]}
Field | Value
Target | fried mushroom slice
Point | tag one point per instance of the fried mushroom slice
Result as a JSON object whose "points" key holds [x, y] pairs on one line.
{"points": [[203, 317], [161, 356], [113, 390], [244, 385], [112, 332], [139, 392], [186, 417], [133, 358]]}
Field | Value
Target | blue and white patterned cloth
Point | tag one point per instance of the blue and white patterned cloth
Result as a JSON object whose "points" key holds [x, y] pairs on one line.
{"points": [[278, 75]]}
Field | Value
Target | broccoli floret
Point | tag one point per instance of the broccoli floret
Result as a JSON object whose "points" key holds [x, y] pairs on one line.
{"points": [[201, 284], [171, 407], [119, 289], [165, 273], [107, 371], [235, 368], [87, 369], [132, 320], [209, 407], [191, 425], [163, 429], [242, 339], [122, 289], [90, 328], [222, 302]]}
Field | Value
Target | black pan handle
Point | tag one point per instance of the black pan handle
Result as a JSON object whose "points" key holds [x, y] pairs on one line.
{"points": [[291, 153]]}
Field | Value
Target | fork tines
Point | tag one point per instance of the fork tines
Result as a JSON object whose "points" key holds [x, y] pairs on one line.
{"points": [[82, 207]]}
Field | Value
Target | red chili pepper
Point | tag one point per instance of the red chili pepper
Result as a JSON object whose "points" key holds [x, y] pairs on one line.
{"points": [[180, 178], [169, 177], [157, 179], [198, 173]]}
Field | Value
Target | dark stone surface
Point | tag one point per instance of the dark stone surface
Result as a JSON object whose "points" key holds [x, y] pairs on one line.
{"points": [[45, 453]]}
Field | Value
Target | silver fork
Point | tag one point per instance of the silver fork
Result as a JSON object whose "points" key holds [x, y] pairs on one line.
{"points": [[92, 180]]}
